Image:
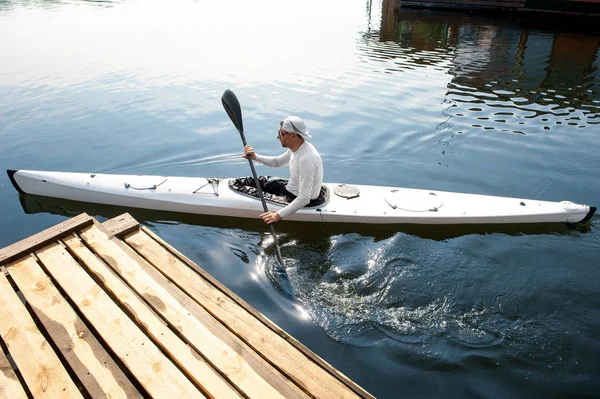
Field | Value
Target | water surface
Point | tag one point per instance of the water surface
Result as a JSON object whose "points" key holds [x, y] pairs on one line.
{"points": [[444, 101]]}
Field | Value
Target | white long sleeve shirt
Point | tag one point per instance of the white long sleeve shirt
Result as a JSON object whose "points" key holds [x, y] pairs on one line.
{"points": [[306, 175]]}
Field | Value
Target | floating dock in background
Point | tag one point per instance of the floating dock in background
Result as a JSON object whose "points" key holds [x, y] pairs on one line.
{"points": [[572, 8], [111, 310], [468, 4]]}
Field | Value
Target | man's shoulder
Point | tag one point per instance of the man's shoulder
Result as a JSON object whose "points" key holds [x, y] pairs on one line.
{"points": [[311, 149], [316, 153], [311, 157]]}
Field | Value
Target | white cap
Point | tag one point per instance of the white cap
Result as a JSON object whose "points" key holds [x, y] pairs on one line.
{"points": [[293, 124]]}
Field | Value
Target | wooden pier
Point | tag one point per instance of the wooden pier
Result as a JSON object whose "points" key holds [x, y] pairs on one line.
{"points": [[111, 310]]}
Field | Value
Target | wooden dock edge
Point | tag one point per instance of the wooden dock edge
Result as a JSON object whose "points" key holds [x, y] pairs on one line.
{"points": [[41, 239], [117, 226]]}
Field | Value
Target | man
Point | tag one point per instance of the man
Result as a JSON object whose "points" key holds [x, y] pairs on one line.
{"points": [[306, 168]]}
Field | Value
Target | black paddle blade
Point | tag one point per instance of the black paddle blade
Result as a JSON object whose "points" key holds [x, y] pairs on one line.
{"points": [[233, 109]]}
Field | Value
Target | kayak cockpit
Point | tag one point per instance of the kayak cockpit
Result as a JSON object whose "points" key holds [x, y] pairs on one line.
{"points": [[247, 186]]}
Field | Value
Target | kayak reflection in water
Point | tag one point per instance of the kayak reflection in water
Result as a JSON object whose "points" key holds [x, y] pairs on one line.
{"points": [[306, 168]]}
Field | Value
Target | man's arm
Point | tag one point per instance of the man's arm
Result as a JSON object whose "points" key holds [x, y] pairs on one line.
{"points": [[275, 162]]}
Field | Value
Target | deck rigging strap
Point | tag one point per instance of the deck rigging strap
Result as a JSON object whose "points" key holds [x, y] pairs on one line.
{"points": [[419, 202], [153, 187], [214, 183]]}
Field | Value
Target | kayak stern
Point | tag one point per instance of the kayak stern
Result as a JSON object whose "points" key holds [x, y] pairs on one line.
{"points": [[11, 176]]}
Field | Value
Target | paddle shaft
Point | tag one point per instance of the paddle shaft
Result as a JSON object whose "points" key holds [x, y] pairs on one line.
{"points": [[264, 204], [234, 110]]}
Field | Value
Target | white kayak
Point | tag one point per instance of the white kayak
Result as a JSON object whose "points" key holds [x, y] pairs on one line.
{"points": [[344, 204]]}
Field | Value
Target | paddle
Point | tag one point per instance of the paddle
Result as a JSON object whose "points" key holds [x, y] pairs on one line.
{"points": [[232, 106]]}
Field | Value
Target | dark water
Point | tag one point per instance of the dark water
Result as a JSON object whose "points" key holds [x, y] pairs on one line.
{"points": [[446, 101]]}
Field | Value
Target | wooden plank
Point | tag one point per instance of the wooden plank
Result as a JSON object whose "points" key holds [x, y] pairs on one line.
{"points": [[30, 244], [155, 372], [241, 365], [121, 225], [94, 367], [301, 365], [10, 386], [40, 367], [199, 370]]}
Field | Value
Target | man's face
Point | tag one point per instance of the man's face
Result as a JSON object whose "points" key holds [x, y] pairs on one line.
{"points": [[284, 137]]}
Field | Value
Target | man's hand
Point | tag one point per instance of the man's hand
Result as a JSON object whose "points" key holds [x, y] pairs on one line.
{"points": [[249, 152], [270, 217]]}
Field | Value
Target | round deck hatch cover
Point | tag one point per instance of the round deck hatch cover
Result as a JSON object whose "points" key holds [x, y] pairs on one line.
{"points": [[420, 202], [346, 191]]}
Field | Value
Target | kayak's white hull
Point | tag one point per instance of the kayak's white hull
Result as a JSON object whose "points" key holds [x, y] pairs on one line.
{"points": [[375, 204]]}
